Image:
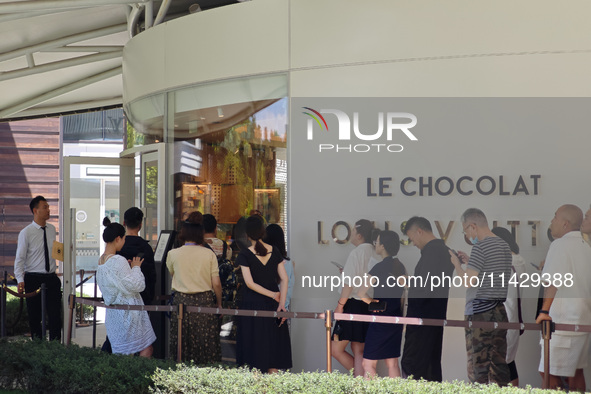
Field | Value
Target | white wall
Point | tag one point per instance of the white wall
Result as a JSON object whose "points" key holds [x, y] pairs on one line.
{"points": [[339, 48], [244, 39], [456, 137]]}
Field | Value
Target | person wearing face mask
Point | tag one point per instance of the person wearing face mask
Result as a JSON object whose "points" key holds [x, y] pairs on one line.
{"points": [[488, 264]]}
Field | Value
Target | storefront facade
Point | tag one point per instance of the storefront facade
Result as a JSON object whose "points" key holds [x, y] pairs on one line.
{"points": [[465, 118]]}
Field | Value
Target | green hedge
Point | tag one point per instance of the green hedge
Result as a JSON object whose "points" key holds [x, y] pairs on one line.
{"points": [[186, 379], [50, 367]]}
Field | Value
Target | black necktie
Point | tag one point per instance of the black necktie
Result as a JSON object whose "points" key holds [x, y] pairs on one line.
{"points": [[46, 250]]}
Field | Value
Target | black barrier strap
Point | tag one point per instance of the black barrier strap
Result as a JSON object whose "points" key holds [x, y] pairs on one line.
{"points": [[84, 281]]}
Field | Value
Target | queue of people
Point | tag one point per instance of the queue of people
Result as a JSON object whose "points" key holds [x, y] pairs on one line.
{"points": [[194, 266], [423, 344], [494, 255], [126, 276]]}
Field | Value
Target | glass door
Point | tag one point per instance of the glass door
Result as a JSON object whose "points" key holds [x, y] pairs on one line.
{"points": [[150, 194], [93, 188], [150, 197]]}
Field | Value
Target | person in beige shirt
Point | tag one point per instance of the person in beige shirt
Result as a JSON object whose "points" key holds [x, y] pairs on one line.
{"points": [[195, 282]]}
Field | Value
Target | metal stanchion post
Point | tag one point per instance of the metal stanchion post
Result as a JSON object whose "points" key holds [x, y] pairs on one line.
{"points": [[179, 345], [81, 295], [43, 310], [3, 306], [546, 335], [72, 305], [328, 325], [94, 316]]}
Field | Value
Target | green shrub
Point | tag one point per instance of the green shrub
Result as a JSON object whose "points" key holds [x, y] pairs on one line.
{"points": [[188, 379], [17, 320], [50, 367]]}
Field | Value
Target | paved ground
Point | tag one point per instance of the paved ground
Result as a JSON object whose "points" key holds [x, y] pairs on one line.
{"points": [[83, 335]]}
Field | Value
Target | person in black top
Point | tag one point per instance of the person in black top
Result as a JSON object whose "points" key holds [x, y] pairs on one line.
{"points": [[383, 339], [137, 246], [262, 342], [421, 357]]}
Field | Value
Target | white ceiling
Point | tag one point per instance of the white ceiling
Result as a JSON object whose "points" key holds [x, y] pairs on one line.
{"points": [[44, 70]]}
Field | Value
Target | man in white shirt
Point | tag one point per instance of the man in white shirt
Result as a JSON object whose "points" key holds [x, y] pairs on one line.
{"points": [[567, 298], [586, 226], [34, 266]]}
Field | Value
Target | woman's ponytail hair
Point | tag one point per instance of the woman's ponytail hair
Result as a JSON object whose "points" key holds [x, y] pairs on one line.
{"points": [[255, 229], [260, 248], [112, 230]]}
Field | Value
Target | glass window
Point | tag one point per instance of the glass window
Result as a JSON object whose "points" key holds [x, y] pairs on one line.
{"points": [[108, 125], [230, 141], [146, 121]]}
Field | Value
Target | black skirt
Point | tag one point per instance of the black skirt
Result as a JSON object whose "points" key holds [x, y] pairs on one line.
{"points": [[355, 331], [383, 339]]}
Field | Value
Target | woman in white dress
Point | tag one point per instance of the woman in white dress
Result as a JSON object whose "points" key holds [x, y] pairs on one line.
{"points": [[120, 283]]}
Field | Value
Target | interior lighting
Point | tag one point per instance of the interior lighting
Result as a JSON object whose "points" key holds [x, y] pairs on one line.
{"points": [[193, 8]]}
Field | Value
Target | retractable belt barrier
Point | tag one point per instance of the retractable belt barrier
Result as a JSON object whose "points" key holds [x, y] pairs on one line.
{"points": [[546, 327], [4, 289]]}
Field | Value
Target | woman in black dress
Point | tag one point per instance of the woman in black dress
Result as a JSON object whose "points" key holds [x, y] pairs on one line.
{"points": [[383, 340], [262, 342]]}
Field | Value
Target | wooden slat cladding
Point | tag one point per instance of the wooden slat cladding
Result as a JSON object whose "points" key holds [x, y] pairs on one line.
{"points": [[28, 141], [30, 157], [19, 190], [41, 158], [32, 174], [51, 125]]}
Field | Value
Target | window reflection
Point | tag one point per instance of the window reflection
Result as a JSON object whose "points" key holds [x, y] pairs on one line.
{"points": [[229, 146], [236, 164]]}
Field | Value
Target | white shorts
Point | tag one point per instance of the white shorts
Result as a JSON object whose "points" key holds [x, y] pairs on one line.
{"points": [[567, 354]]}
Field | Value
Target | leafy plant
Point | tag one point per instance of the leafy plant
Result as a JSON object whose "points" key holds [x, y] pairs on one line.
{"points": [[50, 367], [186, 379]]}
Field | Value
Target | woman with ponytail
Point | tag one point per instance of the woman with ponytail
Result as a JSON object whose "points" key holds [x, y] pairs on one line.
{"points": [[262, 342], [121, 282]]}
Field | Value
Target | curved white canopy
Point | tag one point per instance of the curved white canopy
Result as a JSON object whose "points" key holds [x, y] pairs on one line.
{"points": [[65, 55]]}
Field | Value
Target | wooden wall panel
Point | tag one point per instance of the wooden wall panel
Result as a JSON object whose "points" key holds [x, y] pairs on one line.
{"points": [[30, 157]]}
